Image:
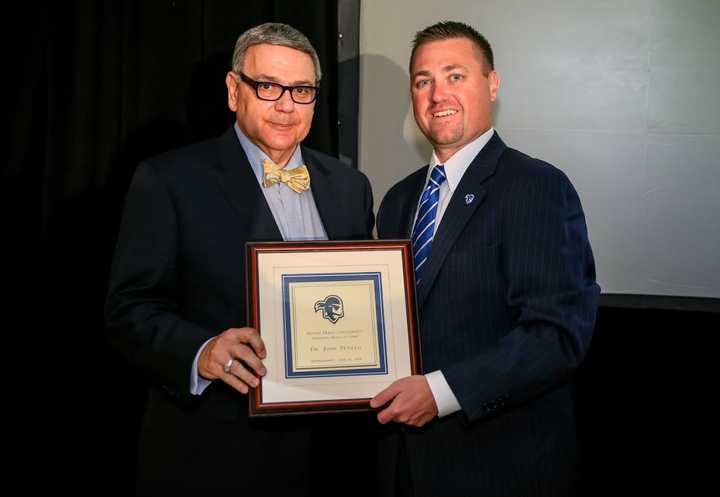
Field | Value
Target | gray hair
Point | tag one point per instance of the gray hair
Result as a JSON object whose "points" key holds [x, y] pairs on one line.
{"points": [[274, 33]]}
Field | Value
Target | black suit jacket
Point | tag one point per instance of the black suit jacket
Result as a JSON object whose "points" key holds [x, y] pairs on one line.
{"points": [[507, 307], [178, 279]]}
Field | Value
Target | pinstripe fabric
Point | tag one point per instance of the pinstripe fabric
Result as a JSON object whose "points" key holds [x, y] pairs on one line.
{"points": [[507, 307], [425, 225]]}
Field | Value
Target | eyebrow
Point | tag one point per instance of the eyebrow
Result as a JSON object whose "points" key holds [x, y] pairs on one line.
{"points": [[452, 67], [422, 73], [445, 69], [273, 79]]}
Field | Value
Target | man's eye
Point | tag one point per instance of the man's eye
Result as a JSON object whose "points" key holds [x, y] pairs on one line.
{"points": [[300, 90], [421, 83], [266, 86], [457, 77]]}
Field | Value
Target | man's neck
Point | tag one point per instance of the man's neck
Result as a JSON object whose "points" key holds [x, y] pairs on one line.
{"points": [[444, 154], [281, 157]]}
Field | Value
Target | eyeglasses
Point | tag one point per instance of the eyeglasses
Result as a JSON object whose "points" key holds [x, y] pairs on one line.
{"points": [[267, 90]]}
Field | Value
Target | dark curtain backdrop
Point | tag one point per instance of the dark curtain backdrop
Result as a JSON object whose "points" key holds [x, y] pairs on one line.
{"points": [[104, 84], [96, 86]]}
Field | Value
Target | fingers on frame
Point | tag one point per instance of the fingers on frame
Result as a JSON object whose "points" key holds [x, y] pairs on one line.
{"points": [[239, 372], [249, 360]]}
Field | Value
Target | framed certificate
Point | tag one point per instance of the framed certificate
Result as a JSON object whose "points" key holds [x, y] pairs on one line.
{"points": [[338, 319]]}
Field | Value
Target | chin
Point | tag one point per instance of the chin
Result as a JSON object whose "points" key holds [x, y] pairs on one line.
{"points": [[280, 137], [443, 134], [445, 139], [282, 144]]}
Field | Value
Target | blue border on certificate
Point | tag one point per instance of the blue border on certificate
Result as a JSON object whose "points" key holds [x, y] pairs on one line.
{"points": [[379, 315]]}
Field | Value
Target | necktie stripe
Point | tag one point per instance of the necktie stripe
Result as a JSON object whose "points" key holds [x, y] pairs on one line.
{"points": [[429, 210], [423, 202], [422, 253], [424, 229], [421, 233], [425, 244]]}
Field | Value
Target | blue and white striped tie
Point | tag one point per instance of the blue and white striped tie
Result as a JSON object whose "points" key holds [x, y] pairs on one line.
{"points": [[424, 230]]}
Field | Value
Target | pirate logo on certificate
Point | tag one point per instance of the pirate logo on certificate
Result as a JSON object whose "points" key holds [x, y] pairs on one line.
{"points": [[331, 307]]}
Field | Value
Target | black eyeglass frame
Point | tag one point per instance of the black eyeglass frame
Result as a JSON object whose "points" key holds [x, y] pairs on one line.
{"points": [[256, 84]]}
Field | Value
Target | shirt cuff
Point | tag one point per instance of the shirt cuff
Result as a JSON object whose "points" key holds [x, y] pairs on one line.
{"points": [[445, 399], [198, 384]]}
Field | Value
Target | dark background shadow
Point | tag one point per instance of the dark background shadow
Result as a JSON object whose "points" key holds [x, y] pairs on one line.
{"points": [[96, 87]]}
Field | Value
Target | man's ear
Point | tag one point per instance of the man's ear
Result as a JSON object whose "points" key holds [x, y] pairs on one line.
{"points": [[232, 88], [493, 84]]}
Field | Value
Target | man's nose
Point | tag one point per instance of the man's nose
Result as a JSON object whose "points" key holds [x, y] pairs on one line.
{"points": [[285, 102], [439, 91]]}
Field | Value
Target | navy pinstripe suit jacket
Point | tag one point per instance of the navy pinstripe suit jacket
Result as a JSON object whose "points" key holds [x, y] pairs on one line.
{"points": [[507, 308]]}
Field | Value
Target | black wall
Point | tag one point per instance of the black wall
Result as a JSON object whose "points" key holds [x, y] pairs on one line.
{"points": [[643, 397]]}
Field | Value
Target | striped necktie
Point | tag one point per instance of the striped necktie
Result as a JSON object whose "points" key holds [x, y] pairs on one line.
{"points": [[424, 229]]}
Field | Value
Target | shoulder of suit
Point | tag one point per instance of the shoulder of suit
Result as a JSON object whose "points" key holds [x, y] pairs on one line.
{"points": [[333, 165], [516, 163], [520, 171], [185, 159], [408, 183]]}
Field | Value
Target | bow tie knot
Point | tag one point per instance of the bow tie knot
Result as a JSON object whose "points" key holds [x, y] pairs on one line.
{"points": [[297, 179]]}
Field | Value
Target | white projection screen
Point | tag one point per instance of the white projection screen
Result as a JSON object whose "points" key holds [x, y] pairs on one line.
{"points": [[622, 95]]}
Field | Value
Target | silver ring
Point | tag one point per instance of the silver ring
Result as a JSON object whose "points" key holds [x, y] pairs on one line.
{"points": [[228, 365]]}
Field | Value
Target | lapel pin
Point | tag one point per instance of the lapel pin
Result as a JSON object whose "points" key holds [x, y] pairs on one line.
{"points": [[469, 198]]}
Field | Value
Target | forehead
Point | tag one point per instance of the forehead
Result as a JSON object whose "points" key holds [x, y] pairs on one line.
{"points": [[434, 55], [284, 63]]}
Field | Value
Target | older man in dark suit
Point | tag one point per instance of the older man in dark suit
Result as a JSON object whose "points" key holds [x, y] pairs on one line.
{"points": [[506, 292], [176, 304]]}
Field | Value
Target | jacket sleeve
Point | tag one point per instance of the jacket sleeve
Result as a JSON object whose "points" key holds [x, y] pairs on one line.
{"points": [[142, 309], [547, 263]]}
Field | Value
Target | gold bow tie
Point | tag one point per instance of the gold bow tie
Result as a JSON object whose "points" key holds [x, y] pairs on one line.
{"points": [[298, 179]]}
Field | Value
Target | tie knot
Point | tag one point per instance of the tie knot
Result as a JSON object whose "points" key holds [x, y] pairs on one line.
{"points": [[437, 175]]}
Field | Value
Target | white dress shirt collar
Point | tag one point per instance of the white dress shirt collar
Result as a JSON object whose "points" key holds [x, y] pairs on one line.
{"points": [[456, 165]]}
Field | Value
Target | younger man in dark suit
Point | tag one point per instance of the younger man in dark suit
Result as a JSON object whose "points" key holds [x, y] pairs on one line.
{"points": [[176, 304], [506, 292]]}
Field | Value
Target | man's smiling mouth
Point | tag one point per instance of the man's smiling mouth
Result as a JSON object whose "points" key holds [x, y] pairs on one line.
{"points": [[444, 113]]}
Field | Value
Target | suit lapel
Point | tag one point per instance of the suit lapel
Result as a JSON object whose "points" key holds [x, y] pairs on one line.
{"points": [[460, 210], [239, 184], [324, 195], [410, 207]]}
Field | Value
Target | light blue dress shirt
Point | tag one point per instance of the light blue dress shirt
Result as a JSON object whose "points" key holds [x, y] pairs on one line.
{"points": [[295, 214]]}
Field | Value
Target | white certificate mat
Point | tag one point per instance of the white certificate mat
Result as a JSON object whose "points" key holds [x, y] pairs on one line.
{"points": [[337, 319]]}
